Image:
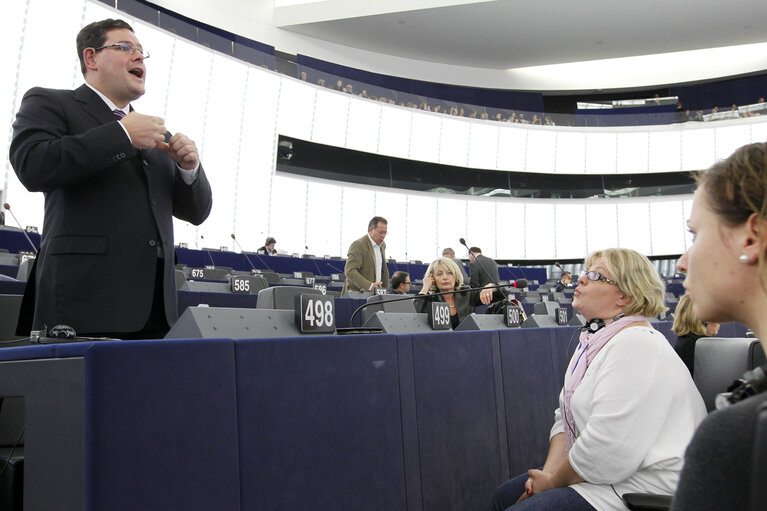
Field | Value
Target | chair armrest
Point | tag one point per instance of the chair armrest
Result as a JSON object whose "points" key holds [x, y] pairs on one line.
{"points": [[647, 501]]}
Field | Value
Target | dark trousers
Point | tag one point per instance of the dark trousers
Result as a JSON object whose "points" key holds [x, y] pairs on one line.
{"points": [[558, 499]]}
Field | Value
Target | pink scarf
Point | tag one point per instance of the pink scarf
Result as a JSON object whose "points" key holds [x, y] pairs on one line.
{"points": [[589, 346]]}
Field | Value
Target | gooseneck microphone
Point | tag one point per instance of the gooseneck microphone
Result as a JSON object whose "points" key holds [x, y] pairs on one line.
{"points": [[479, 262], [8, 207], [207, 251], [243, 252], [422, 296]]}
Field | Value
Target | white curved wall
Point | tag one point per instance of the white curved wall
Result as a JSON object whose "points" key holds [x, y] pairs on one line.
{"points": [[235, 112]]}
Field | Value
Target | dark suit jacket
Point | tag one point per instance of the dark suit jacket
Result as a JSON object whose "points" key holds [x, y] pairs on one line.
{"points": [[483, 271], [465, 301], [108, 210], [360, 266]]}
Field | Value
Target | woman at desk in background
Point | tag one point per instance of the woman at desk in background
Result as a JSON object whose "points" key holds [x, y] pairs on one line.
{"points": [[689, 329], [628, 407], [727, 281], [444, 275]]}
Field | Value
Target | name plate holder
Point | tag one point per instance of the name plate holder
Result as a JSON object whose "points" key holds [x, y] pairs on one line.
{"points": [[513, 316], [439, 316], [315, 314]]}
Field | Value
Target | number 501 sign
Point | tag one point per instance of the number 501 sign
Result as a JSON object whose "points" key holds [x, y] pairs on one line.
{"points": [[315, 313]]}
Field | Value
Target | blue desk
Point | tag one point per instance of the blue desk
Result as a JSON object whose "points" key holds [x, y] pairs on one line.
{"points": [[407, 422]]}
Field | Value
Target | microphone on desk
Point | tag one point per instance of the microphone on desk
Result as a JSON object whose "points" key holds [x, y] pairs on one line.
{"points": [[8, 208], [243, 252], [207, 251], [422, 296], [479, 262]]}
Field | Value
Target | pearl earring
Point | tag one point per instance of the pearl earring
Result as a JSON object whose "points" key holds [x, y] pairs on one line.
{"points": [[743, 258]]}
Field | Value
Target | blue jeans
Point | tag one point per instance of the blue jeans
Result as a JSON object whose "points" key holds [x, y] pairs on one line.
{"points": [[558, 499]]}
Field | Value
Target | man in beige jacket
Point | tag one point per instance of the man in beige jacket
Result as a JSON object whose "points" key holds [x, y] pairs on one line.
{"points": [[366, 260]]}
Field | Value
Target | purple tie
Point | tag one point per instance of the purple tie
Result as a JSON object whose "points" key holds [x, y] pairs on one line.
{"points": [[119, 113]]}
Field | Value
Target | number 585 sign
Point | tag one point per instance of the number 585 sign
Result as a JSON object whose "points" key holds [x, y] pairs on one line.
{"points": [[315, 313]]}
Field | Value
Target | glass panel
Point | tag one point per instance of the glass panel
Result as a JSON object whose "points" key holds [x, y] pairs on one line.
{"points": [[632, 153], [288, 223], [698, 147], [539, 218], [667, 223], [256, 160], [362, 131], [509, 237], [451, 224], [484, 228], [421, 233], [296, 109], [664, 151], [323, 231], [395, 132], [330, 117], [425, 137], [634, 226], [571, 152], [393, 207], [569, 228], [540, 154], [483, 146], [454, 145], [601, 226], [512, 147], [729, 138], [601, 149]]}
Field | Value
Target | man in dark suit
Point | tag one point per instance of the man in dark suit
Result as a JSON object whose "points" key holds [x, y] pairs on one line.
{"points": [[400, 282], [450, 254], [112, 178], [483, 270], [366, 260]]}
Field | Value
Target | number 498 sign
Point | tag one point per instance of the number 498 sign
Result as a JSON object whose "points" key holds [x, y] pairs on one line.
{"points": [[315, 313]]}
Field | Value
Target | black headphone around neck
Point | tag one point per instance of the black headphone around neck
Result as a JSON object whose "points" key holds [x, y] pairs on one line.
{"points": [[594, 324]]}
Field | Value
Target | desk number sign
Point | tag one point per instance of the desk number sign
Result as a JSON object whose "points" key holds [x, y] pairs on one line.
{"points": [[198, 273], [242, 284], [561, 316], [315, 314], [322, 287], [439, 316], [513, 316]]}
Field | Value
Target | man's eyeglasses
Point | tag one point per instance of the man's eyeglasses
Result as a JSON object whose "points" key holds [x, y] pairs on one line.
{"points": [[592, 275], [124, 47]]}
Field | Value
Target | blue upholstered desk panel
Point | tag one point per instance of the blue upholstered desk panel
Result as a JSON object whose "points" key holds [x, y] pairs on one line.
{"points": [[14, 240], [9, 270], [320, 424], [457, 418], [160, 426], [10, 287], [531, 384]]}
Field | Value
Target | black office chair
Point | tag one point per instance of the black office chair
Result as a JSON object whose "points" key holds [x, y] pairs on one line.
{"points": [[759, 461], [718, 362]]}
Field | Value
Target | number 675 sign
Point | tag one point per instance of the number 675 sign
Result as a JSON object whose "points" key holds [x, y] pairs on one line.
{"points": [[315, 313]]}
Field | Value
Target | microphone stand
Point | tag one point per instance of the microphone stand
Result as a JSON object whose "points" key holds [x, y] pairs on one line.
{"points": [[479, 262], [252, 266]]}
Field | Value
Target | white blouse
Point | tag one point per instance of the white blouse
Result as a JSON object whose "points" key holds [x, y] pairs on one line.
{"points": [[635, 410]]}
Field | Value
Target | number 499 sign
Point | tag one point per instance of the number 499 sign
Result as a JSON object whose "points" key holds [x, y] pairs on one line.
{"points": [[315, 313]]}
